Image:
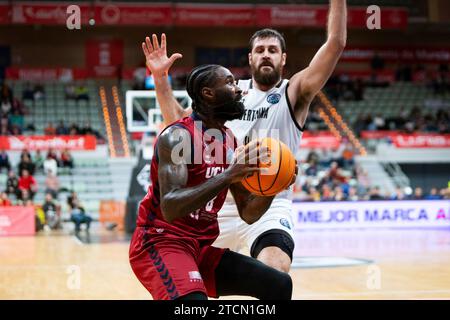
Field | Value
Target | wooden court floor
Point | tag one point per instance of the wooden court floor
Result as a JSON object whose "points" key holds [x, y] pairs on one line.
{"points": [[358, 264]]}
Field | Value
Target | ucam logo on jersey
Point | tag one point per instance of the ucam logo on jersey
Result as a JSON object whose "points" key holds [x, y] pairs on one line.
{"points": [[371, 214]]}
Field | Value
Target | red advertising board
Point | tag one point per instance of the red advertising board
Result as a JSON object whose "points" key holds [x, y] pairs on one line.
{"points": [[49, 13], [397, 53], [214, 15], [133, 14], [17, 221], [86, 142], [421, 140], [205, 14], [45, 74], [319, 140], [316, 16], [5, 14], [415, 140], [103, 57]]}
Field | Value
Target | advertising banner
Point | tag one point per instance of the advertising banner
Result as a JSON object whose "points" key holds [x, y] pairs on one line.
{"points": [[415, 140], [214, 15], [45, 74], [50, 13], [397, 53], [32, 143], [17, 221], [316, 16], [133, 14], [4, 14], [320, 140], [371, 214], [103, 57]]}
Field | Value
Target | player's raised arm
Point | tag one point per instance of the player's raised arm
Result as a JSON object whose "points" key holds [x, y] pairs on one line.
{"points": [[159, 64], [304, 85], [178, 201]]}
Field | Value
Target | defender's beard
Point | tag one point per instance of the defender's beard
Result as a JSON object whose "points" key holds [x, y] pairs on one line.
{"points": [[266, 78]]}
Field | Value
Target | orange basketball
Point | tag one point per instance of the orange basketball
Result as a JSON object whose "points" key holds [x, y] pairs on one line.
{"points": [[277, 174]]}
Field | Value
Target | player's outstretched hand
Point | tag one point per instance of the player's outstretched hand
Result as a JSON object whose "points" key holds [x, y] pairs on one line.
{"points": [[156, 56], [246, 159]]}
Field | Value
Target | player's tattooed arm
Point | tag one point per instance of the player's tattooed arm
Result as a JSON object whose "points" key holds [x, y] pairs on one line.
{"points": [[304, 85], [251, 207], [177, 200], [159, 63]]}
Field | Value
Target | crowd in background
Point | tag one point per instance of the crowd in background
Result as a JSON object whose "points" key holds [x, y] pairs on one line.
{"points": [[414, 120], [22, 186], [12, 112], [332, 175]]}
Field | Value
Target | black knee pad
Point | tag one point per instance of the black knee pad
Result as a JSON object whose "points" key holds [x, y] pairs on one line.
{"points": [[273, 238]]}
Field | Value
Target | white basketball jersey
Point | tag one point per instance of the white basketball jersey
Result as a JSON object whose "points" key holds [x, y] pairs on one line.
{"points": [[267, 114]]}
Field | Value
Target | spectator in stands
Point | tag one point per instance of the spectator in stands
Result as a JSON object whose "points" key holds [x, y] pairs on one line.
{"points": [[379, 122], [5, 126], [399, 194], [52, 184], [418, 194], [66, 159], [139, 78], [15, 130], [26, 164], [38, 92], [313, 194], [61, 129], [74, 129], [4, 161], [12, 184], [339, 194], [72, 199], [4, 200], [27, 183], [348, 157], [28, 93], [335, 172], [6, 106], [6, 93], [50, 130], [38, 160], [70, 92], [375, 194], [52, 154], [17, 120], [434, 195], [78, 216], [24, 197], [50, 164], [87, 129], [82, 92], [52, 212], [327, 193], [352, 194], [445, 192]]}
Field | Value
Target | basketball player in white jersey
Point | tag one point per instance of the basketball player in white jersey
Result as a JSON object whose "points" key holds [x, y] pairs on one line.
{"points": [[274, 107]]}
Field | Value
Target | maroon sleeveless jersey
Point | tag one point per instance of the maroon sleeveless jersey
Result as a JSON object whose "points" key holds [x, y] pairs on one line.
{"points": [[210, 156]]}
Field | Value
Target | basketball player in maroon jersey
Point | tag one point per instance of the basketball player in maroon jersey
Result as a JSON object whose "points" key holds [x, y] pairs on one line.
{"points": [[171, 252]]}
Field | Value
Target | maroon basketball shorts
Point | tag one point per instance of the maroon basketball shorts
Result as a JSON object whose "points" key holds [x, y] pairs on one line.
{"points": [[170, 268]]}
